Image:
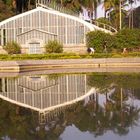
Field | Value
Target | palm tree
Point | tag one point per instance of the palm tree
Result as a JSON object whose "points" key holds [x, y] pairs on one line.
{"points": [[115, 8], [91, 5], [131, 13], [108, 5]]}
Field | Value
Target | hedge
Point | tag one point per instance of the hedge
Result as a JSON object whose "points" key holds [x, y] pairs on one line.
{"points": [[5, 57]]}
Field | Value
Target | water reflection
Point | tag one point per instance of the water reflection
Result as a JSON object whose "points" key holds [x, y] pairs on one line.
{"points": [[44, 93], [95, 103]]}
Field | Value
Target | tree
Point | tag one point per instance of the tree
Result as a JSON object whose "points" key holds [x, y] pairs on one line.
{"points": [[116, 12], [20, 6], [108, 5], [5, 11], [8, 2], [136, 18], [131, 14], [91, 5]]}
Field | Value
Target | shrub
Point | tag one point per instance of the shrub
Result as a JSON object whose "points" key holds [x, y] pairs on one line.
{"points": [[13, 48], [54, 47], [97, 40], [126, 38]]}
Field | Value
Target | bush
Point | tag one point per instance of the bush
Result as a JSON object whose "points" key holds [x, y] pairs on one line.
{"points": [[97, 40], [126, 38], [13, 48], [54, 47]]}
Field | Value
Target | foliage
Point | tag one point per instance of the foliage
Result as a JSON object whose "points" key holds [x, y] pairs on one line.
{"points": [[8, 2], [13, 48], [6, 57], [105, 80], [115, 18], [97, 40], [112, 9], [5, 10], [20, 124], [91, 5], [126, 38], [16, 122], [54, 47], [104, 20]]}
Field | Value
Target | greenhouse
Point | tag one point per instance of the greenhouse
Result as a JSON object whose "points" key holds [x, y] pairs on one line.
{"points": [[33, 29]]}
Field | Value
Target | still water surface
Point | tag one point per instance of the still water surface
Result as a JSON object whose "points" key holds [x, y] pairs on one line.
{"points": [[89, 106]]}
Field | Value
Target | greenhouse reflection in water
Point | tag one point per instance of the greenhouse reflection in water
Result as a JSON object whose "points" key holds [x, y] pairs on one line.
{"points": [[93, 104]]}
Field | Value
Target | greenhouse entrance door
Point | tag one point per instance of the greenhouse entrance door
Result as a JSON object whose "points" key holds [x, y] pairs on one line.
{"points": [[35, 48]]}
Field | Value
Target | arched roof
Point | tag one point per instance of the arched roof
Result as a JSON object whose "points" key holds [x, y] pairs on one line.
{"points": [[40, 9]]}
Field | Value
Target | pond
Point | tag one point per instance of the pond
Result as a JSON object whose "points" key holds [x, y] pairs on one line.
{"points": [[74, 106]]}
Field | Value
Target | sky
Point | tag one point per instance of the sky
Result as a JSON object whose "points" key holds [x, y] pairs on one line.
{"points": [[100, 10]]}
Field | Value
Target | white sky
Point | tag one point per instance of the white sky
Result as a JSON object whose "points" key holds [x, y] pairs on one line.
{"points": [[100, 10]]}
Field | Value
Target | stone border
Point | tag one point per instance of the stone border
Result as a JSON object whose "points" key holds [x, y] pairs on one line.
{"points": [[38, 65]]}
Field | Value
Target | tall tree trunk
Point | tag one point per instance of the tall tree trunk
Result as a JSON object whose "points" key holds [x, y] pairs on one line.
{"points": [[61, 2], [105, 14], [120, 12], [121, 97], [29, 4], [129, 21], [95, 13]]}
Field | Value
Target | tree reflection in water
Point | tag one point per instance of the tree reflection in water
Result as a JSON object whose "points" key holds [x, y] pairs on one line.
{"points": [[117, 114]]}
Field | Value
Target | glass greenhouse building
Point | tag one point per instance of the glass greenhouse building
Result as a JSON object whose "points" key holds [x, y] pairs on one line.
{"points": [[34, 28]]}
